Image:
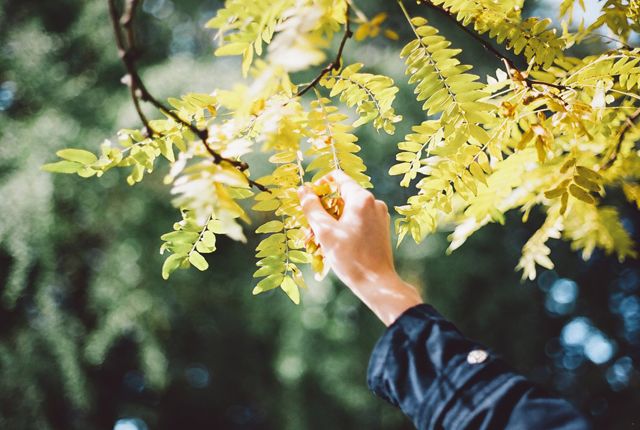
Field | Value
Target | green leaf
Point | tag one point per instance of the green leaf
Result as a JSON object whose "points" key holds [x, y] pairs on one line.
{"points": [[180, 236], [269, 270], [77, 155], [171, 264], [208, 239], [268, 283], [216, 226], [198, 261], [273, 240], [62, 167]]}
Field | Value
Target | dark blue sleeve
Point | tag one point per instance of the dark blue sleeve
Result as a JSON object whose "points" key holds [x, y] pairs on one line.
{"points": [[442, 380]]}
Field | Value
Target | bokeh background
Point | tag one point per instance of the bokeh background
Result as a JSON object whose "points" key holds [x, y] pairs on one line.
{"points": [[91, 337]]}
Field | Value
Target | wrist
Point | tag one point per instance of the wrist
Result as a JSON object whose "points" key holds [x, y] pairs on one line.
{"points": [[387, 295]]}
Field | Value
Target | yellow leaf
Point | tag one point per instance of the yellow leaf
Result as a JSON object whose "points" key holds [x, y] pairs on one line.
{"points": [[399, 169], [78, 155], [266, 205], [268, 283], [390, 34], [362, 32], [588, 173], [584, 182], [290, 287], [581, 194], [270, 227], [198, 261], [231, 49]]}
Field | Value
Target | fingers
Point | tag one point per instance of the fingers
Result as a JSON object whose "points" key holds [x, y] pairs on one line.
{"points": [[349, 189], [356, 198], [321, 222], [382, 207]]}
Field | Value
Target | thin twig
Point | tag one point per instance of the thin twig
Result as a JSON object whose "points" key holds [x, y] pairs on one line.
{"points": [[628, 123], [124, 31], [335, 64], [612, 39]]}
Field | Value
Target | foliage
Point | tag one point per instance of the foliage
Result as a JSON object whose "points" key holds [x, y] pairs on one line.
{"points": [[90, 332], [557, 135]]}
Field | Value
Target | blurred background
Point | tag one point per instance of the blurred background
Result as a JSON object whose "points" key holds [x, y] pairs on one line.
{"points": [[91, 337]]}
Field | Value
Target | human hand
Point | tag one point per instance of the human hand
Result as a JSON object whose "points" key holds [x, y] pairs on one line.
{"points": [[358, 247]]}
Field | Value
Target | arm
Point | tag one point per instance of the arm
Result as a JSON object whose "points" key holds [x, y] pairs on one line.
{"points": [[423, 364], [363, 232]]}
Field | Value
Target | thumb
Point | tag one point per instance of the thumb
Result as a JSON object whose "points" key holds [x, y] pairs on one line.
{"points": [[320, 221]]}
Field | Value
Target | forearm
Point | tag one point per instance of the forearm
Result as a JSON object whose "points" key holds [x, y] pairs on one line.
{"points": [[386, 294]]}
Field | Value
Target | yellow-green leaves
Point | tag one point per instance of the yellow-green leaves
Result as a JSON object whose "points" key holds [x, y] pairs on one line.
{"points": [[532, 37], [373, 96], [332, 143], [279, 258], [450, 152], [270, 227], [63, 166], [632, 192], [190, 239], [441, 81], [291, 289], [198, 261], [138, 151], [73, 161], [588, 226], [372, 28], [245, 25], [77, 155], [427, 135], [551, 136], [536, 251], [619, 67], [621, 18], [279, 255], [580, 183]]}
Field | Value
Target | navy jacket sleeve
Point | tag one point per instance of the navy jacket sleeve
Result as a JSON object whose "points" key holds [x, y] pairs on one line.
{"points": [[442, 380]]}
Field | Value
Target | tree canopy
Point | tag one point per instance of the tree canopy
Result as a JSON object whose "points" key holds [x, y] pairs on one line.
{"points": [[555, 133]]}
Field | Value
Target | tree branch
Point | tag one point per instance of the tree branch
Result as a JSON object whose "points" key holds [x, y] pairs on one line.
{"points": [[335, 64], [509, 64], [127, 50], [628, 123]]}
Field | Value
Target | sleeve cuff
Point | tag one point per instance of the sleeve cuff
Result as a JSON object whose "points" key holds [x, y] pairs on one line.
{"points": [[395, 338]]}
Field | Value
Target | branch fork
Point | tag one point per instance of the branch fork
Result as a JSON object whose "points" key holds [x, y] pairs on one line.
{"points": [[123, 29]]}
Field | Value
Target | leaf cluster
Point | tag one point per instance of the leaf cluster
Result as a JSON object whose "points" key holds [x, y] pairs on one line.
{"points": [[556, 136]]}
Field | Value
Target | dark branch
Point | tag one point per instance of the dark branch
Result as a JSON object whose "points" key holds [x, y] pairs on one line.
{"points": [[628, 123], [512, 69], [124, 31], [335, 64]]}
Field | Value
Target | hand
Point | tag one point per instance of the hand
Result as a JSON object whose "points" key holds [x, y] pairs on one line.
{"points": [[358, 247]]}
